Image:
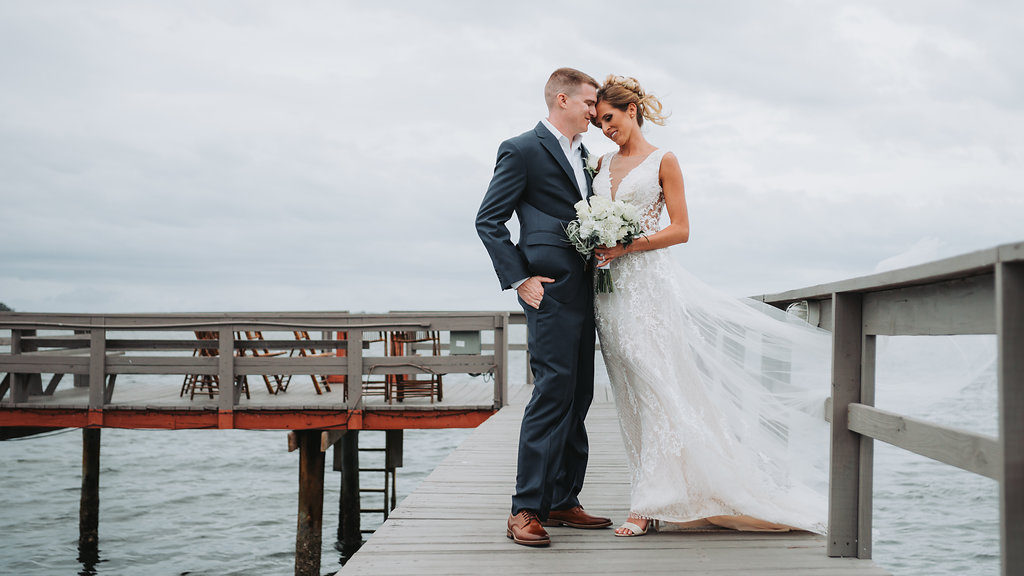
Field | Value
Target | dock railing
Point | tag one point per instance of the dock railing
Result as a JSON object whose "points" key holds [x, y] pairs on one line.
{"points": [[977, 293], [82, 345]]}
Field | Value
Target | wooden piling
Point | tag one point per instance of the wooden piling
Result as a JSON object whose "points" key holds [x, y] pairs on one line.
{"points": [[308, 538], [350, 536], [89, 507]]}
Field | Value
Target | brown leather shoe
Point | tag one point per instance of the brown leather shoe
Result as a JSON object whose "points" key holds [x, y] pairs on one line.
{"points": [[576, 518], [524, 528]]}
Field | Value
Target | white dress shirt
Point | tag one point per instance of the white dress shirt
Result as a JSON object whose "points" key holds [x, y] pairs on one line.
{"points": [[574, 154]]}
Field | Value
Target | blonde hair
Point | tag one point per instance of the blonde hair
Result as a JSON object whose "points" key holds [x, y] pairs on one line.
{"points": [[621, 91], [565, 81]]}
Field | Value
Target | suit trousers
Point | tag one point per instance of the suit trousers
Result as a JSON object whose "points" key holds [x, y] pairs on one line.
{"points": [[553, 446]]}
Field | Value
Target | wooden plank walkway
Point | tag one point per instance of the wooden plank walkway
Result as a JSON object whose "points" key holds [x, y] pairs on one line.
{"points": [[454, 522]]}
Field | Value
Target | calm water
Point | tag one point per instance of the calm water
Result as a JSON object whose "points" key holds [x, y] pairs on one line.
{"points": [[204, 502]]}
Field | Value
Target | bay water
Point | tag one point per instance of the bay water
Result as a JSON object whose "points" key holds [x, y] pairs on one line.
{"points": [[223, 502]]}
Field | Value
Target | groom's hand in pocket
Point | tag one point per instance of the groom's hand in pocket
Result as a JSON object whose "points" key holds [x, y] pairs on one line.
{"points": [[532, 291]]}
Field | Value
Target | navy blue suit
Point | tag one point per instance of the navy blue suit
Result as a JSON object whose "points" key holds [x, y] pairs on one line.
{"points": [[533, 178]]}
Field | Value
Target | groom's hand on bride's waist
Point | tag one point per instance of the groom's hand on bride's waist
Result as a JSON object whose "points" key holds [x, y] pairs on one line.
{"points": [[532, 290]]}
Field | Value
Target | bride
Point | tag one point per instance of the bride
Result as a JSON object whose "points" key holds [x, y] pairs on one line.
{"points": [[720, 400]]}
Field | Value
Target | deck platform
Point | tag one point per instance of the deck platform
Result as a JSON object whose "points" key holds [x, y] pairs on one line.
{"points": [[454, 522], [147, 404]]}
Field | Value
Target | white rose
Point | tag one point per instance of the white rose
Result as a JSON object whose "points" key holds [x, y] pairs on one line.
{"points": [[586, 228], [608, 231], [630, 213], [582, 209], [601, 207], [592, 162]]}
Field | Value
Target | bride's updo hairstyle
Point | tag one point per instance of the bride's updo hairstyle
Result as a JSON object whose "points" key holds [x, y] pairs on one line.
{"points": [[621, 91]]}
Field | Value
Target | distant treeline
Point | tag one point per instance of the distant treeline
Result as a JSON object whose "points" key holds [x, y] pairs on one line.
{"points": [[4, 308]]}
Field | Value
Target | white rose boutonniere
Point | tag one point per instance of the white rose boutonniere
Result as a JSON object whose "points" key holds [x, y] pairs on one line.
{"points": [[591, 165]]}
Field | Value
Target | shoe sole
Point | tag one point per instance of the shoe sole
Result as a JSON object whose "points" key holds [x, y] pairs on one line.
{"points": [[526, 542], [557, 523]]}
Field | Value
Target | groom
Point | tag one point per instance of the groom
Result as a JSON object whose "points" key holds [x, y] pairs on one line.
{"points": [[540, 175]]}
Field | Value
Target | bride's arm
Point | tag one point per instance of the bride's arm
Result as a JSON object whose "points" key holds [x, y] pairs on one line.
{"points": [[678, 231]]}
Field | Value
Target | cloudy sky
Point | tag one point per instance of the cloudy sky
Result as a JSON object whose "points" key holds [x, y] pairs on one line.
{"points": [[192, 156]]}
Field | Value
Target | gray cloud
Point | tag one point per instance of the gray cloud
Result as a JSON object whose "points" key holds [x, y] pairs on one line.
{"points": [[198, 156]]}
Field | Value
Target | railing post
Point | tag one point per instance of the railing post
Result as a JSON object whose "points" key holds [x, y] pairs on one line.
{"points": [[19, 392], [97, 371], [81, 380], [865, 491], [226, 377], [1010, 337], [354, 382], [845, 468], [501, 360]]}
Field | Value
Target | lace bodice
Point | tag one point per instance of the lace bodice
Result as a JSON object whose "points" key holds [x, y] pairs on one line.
{"points": [[639, 187]]}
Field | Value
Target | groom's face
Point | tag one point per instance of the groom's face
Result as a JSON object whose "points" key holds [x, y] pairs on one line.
{"points": [[581, 107]]}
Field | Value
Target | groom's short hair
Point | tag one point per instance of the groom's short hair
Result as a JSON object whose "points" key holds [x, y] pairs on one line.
{"points": [[565, 81]]}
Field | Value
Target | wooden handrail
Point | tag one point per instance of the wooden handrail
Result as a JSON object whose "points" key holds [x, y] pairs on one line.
{"points": [[977, 293]]}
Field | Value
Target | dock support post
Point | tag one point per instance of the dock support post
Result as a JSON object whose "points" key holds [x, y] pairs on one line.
{"points": [[845, 466], [1010, 342], [308, 535], [866, 489], [350, 536], [89, 506], [501, 360]]}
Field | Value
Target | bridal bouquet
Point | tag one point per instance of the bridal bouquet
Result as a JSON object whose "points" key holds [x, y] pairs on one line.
{"points": [[603, 222]]}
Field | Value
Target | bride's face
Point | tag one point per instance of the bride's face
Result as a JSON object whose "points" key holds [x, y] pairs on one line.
{"points": [[616, 124]]}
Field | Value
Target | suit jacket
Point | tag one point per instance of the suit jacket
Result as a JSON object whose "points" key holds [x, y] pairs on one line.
{"points": [[533, 179]]}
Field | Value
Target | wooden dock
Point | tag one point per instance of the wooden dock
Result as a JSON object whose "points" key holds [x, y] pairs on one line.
{"points": [[454, 523]]}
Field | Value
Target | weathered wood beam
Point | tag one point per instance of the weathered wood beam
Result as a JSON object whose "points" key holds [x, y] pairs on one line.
{"points": [[308, 535], [865, 488], [209, 365], [329, 438], [959, 306], [1010, 338], [500, 361], [430, 364], [8, 432], [42, 364], [350, 535], [354, 357], [962, 266], [89, 506], [844, 475], [226, 377], [293, 365], [52, 386], [108, 391], [97, 367], [969, 451]]}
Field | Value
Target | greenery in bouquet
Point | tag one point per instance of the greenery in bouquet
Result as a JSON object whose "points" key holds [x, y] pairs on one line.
{"points": [[603, 222]]}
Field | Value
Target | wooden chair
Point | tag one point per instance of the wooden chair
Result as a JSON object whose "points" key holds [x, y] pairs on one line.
{"points": [[207, 383], [381, 385], [274, 382], [417, 385], [318, 379]]}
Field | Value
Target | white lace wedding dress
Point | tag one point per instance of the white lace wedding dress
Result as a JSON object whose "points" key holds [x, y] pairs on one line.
{"points": [[721, 400]]}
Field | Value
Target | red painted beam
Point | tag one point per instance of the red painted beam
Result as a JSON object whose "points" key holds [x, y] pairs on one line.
{"points": [[242, 419]]}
